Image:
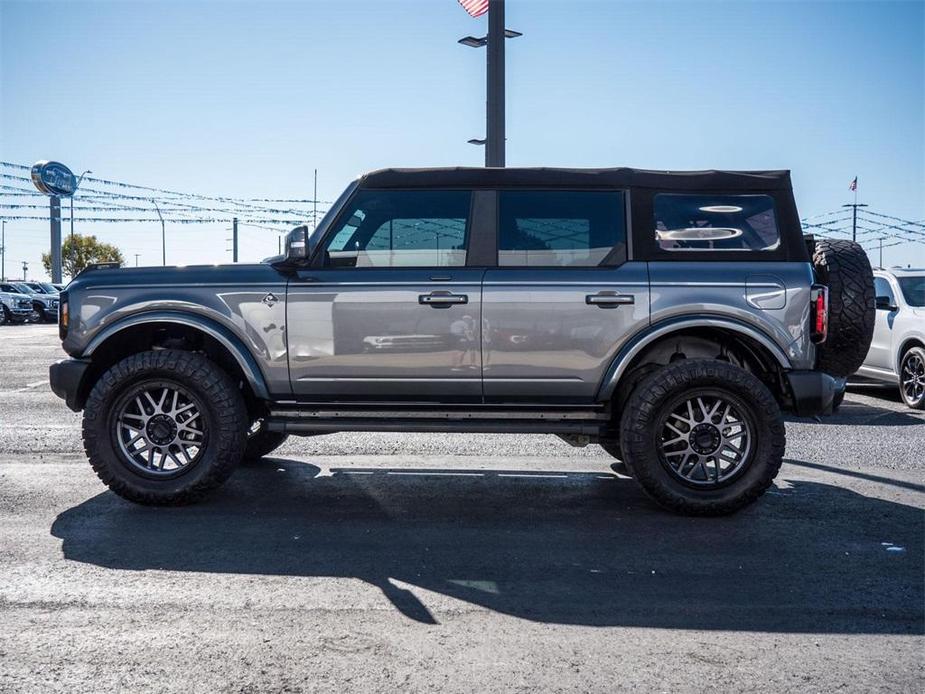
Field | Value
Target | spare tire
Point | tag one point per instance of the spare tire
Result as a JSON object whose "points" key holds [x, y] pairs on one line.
{"points": [[844, 268]]}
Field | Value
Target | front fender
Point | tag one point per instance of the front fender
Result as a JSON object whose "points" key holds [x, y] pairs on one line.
{"points": [[636, 344], [220, 333]]}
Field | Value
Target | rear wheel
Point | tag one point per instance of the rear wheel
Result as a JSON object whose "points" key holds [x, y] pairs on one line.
{"points": [[164, 427], [912, 378], [703, 437]]}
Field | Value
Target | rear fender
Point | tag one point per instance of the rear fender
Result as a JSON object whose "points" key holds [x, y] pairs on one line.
{"points": [[652, 334]]}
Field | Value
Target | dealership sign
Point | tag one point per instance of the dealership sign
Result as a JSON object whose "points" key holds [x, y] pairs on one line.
{"points": [[53, 178]]}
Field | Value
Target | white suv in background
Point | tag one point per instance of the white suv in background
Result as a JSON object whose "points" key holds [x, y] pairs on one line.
{"points": [[897, 351]]}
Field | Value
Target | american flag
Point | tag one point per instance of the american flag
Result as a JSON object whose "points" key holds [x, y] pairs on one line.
{"points": [[476, 8], [854, 184]]}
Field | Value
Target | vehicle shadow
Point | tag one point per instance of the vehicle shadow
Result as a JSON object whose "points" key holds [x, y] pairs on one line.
{"points": [[559, 547], [856, 413]]}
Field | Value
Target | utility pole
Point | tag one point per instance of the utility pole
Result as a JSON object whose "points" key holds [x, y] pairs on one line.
{"points": [[163, 235], [234, 240], [25, 269], [136, 259], [3, 253], [881, 250], [54, 212], [315, 203], [854, 218]]}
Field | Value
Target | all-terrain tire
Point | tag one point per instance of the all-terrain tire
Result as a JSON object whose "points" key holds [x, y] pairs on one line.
{"points": [[262, 442], [844, 268], [647, 409], [224, 421]]}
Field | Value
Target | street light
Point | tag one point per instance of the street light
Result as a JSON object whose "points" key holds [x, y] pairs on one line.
{"points": [[72, 218], [494, 61], [163, 236], [3, 253]]}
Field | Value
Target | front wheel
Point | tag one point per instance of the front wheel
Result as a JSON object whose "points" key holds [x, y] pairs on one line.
{"points": [[912, 378], [164, 427], [703, 437]]}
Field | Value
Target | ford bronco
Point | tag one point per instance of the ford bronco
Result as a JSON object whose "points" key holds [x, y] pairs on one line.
{"points": [[669, 317]]}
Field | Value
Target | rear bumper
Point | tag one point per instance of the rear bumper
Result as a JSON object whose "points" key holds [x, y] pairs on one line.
{"points": [[66, 379], [814, 392]]}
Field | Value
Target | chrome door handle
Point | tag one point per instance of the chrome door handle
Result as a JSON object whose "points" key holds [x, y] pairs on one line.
{"points": [[442, 299], [609, 299]]}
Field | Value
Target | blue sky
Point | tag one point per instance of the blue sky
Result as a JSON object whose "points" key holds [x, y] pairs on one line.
{"points": [[246, 99]]}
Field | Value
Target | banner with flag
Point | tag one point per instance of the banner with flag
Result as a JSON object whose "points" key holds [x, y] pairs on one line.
{"points": [[854, 184], [475, 8]]}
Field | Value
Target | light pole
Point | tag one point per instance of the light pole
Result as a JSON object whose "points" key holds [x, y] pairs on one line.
{"points": [[494, 62], [3, 253], [163, 236], [73, 250], [136, 259]]}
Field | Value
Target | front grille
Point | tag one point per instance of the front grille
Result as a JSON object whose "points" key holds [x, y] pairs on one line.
{"points": [[24, 303]]}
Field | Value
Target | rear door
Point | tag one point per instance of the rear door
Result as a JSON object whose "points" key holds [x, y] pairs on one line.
{"points": [[562, 298], [390, 310]]}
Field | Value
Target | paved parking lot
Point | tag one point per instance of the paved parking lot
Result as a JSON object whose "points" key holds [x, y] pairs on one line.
{"points": [[362, 562]]}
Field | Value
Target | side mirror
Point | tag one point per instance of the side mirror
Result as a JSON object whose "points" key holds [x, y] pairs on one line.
{"points": [[885, 303], [297, 245]]}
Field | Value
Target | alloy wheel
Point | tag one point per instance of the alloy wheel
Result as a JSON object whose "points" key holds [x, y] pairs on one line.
{"points": [[159, 429], [912, 378], [706, 439]]}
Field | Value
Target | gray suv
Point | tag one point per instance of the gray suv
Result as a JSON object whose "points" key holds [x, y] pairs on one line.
{"points": [[669, 317]]}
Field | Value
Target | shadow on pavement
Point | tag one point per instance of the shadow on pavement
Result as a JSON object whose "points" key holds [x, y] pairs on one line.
{"points": [[856, 413], [558, 547]]}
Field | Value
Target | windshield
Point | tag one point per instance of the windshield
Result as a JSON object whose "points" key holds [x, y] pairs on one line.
{"points": [[24, 288], [36, 287], [913, 289], [49, 288]]}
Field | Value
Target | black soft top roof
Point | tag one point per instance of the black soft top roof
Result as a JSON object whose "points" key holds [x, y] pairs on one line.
{"points": [[472, 177]]}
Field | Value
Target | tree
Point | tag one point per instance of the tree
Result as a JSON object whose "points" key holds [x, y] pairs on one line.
{"points": [[84, 251]]}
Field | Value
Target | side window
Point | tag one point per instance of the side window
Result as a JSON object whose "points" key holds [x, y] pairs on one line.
{"points": [[402, 228], [560, 228], [882, 288], [716, 222]]}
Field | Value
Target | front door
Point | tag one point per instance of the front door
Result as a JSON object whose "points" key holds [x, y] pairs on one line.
{"points": [[390, 310], [880, 355], [562, 299]]}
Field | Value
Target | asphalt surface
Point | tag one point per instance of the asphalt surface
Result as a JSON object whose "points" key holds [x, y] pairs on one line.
{"points": [[374, 562]]}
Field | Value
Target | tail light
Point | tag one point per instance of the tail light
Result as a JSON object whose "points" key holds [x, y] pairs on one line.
{"points": [[819, 296], [62, 315]]}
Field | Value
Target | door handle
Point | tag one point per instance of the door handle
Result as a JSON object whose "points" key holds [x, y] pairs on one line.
{"points": [[442, 299], [609, 299]]}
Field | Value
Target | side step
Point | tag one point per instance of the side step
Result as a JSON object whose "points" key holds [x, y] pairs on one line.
{"points": [[583, 422]]}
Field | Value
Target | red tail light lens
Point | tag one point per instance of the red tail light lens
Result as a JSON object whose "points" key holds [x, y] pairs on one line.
{"points": [[819, 295]]}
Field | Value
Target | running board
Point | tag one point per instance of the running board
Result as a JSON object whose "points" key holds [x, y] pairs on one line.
{"points": [[298, 421]]}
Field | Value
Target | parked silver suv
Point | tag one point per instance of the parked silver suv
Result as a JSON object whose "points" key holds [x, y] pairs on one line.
{"points": [[669, 317], [897, 351]]}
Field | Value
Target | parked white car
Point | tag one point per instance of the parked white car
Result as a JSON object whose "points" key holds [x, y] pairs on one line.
{"points": [[897, 351]]}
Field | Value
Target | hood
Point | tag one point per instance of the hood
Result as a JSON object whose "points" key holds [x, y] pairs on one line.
{"points": [[178, 275]]}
